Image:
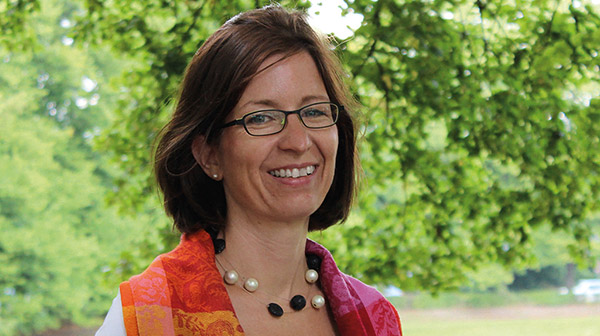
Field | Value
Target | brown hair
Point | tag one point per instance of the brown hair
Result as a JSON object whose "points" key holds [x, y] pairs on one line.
{"points": [[213, 84]]}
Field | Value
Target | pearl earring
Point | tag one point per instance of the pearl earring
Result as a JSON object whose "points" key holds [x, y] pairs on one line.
{"points": [[215, 176]]}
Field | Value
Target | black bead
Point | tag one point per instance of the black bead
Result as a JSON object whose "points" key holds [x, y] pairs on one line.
{"points": [[313, 262], [213, 232], [298, 302], [219, 245], [275, 309]]}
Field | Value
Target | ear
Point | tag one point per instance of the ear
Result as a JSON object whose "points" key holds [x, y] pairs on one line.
{"points": [[206, 156]]}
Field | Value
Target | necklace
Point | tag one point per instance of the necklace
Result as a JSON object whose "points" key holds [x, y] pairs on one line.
{"points": [[251, 285]]}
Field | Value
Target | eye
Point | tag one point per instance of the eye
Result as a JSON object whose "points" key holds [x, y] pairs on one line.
{"points": [[314, 112], [260, 118]]}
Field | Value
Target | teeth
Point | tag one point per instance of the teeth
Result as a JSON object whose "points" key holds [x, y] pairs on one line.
{"points": [[293, 173]]}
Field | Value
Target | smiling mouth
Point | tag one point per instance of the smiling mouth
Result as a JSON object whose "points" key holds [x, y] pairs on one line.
{"points": [[293, 173]]}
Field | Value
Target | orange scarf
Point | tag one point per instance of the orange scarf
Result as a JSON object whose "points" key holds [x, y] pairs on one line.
{"points": [[182, 293]]}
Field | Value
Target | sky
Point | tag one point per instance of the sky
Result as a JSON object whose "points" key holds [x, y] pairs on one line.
{"points": [[327, 17]]}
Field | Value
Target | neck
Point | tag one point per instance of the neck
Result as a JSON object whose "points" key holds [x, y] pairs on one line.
{"points": [[271, 252]]}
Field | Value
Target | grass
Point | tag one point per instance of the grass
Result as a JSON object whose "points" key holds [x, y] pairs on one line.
{"points": [[567, 326], [530, 313]]}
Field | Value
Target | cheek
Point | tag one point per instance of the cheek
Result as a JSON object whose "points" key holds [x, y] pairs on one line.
{"points": [[242, 156], [231, 154]]}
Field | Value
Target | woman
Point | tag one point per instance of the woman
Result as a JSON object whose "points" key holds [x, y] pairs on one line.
{"points": [[260, 151]]}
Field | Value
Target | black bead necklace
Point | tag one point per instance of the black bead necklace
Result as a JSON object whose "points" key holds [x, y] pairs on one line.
{"points": [[250, 285]]}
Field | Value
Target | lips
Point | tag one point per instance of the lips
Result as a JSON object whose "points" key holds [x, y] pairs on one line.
{"points": [[293, 172]]}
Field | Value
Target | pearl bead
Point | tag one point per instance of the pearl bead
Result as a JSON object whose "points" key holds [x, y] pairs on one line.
{"points": [[251, 285], [311, 276], [231, 277], [317, 301]]}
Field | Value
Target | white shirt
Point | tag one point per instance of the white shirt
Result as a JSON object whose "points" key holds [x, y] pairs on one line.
{"points": [[113, 323]]}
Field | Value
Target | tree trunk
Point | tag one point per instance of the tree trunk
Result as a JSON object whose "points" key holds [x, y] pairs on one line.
{"points": [[570, 278]]}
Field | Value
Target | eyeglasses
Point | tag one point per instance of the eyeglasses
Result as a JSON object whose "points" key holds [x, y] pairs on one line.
{"points": [[273, 121]]}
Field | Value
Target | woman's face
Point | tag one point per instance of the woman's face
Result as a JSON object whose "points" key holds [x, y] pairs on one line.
{"points": [[248, 163]]}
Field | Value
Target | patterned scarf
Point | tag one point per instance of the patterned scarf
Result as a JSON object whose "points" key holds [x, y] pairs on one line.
{"points": [[182, 293]]}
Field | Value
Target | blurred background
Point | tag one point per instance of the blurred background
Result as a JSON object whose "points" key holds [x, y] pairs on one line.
{"points": [[479, 207]]}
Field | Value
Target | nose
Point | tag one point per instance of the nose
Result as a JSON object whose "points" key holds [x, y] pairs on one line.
{"points": [[295, 136]]}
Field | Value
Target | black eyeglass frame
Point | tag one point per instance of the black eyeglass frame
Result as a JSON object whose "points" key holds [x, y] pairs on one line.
{"points": [[240, 121]]}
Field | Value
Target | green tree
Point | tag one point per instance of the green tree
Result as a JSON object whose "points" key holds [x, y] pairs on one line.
{"points": [[553, 265], [478, 112], [479, 124], [59, 242], [45, 246]]}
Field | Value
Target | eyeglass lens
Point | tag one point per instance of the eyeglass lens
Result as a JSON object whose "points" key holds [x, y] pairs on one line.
{"points": [[265, 122]]}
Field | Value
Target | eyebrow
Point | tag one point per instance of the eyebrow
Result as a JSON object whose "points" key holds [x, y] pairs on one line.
{"points": [[272, 104]]}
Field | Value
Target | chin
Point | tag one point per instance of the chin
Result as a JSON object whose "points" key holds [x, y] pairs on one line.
{"points": [[295, 214]]}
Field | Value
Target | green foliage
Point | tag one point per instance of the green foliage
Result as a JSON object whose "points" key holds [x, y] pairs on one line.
{"points": [[478, 132], [46, 242], [15, 21], [59, 239], [551, 252]]}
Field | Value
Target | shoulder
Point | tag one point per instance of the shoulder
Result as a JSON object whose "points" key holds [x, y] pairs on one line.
{"points": [[369, 296], [361, 289], [382, 314]]}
